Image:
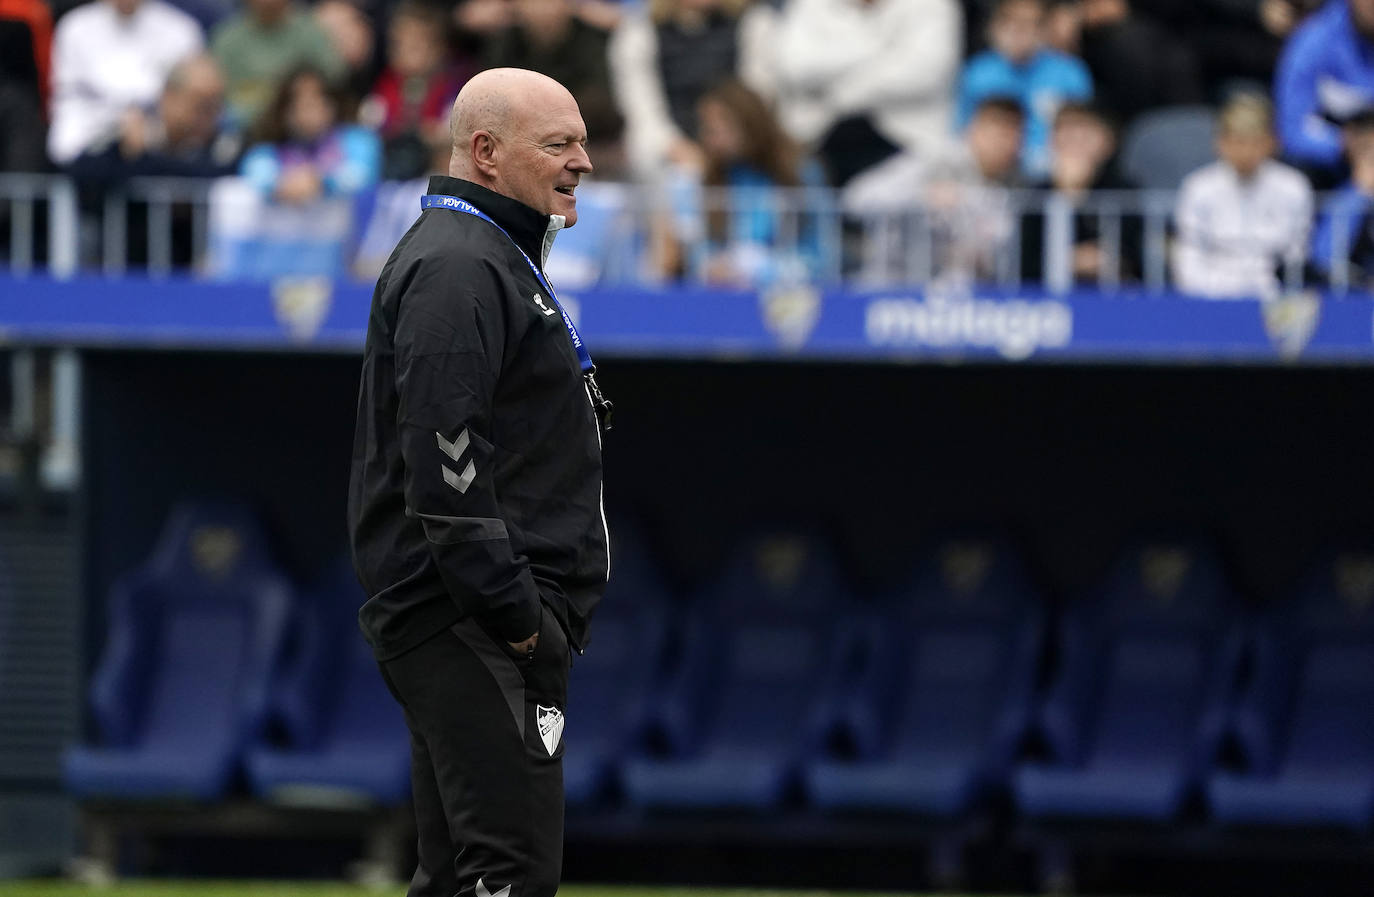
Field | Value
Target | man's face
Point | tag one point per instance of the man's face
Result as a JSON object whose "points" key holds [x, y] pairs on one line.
{"points": [[1082, 137], [1245, 153], [542, 155], [191, 111], [1015, 32], [994, 139]]}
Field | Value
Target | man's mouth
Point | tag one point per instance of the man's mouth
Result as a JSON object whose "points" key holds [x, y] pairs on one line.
{"points": [[566, 190]]}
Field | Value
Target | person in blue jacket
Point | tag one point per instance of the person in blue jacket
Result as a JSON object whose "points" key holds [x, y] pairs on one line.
{"points": [[306, 150], [1326, 75], [1343, 241], [1019, 65]]}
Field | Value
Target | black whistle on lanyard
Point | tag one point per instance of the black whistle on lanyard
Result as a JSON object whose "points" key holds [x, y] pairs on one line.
{"points": [[604, 407]]}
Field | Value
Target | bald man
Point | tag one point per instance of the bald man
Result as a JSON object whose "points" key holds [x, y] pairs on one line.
{"points": [[475, 497]]}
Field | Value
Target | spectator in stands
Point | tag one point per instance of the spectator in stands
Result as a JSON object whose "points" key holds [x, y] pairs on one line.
{"points": [[111, 56], [547, 36], [1238, 41], [306, 150], [410, 103], [260, 45], [1343, 243], [1063, 30], [750, 236], [25, 70], [1244, 217], [1326, 74], [962, 191], [1082, 148], [664, 59], [1136, 63], [861, 80], [1018, 64], [351, 34], [180, 137]]}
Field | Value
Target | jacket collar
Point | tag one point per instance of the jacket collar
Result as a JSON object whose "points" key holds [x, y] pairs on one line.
{"points": [[530, 230]]}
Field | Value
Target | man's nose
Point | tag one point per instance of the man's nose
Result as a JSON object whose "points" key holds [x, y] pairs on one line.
{"points": [[580, 160]]}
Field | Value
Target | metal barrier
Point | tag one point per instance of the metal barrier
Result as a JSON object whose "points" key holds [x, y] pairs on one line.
{"points": [[651, 234]]}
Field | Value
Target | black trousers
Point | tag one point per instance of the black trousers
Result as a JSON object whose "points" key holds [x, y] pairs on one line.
{"points": [[486, 760]]}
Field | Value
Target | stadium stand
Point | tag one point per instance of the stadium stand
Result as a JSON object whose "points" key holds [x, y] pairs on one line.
{"points": [[946, 695], [1137, 707], [772, 708], [613, 689], [764, 659], [1305, 724], [184, 685], [345, 740], [1165, 145]]}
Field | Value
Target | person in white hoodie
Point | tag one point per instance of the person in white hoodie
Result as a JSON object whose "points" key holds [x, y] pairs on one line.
{"points": [[667, 56], [861, 80], [110, 59], [1244, 219]]}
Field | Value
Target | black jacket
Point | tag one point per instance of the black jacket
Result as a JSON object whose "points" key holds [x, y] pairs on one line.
{"points": [[476, 477]]}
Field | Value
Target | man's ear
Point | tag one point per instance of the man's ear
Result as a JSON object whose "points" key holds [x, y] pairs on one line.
{"points": [[484, 152]]}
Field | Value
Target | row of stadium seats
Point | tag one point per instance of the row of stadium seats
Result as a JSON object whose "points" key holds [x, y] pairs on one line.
{"points": [[775, 686]]}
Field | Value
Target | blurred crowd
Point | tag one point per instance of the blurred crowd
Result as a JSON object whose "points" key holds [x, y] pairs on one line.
{"points": [[1260, 113]]}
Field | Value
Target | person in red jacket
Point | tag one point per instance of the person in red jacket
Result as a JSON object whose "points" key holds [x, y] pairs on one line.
{"points": [[409, 104], [25, 70]]}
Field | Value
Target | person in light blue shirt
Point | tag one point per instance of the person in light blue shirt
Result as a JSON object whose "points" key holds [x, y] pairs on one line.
{"points": [[305, 150], [1326, 74], [1019, 65]]}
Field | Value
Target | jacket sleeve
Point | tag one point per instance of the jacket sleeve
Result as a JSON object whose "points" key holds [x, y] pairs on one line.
{"points": [[917, 61], [1307, 137], [638, 90], [449, 342], [1338, 227]]}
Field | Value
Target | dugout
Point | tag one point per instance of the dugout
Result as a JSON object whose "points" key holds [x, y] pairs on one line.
{"points": [[1270, 463], [1068, 424]]}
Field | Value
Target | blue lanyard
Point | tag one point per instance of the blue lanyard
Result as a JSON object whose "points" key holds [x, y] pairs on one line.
{"points": [[604, 408], [442, 201]]}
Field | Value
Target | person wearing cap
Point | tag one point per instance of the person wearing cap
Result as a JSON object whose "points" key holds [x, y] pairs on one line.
{"points": [[1245, 217]]}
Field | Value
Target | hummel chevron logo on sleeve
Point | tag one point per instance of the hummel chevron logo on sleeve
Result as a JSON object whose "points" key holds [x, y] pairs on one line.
{"points": [[483, 892], [455, 450]]}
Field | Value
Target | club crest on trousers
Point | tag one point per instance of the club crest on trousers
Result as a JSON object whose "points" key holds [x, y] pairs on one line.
{"points": [[550, 721]]}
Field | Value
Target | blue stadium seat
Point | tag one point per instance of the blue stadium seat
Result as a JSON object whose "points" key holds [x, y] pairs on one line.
{"points": [[945, 698], [183, 686], [1138, 708], [1305, 724], [612, 685], [1163, 146], [347, 742], [758, 683]]}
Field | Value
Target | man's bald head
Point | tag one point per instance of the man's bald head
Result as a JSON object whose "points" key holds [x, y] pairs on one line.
{"points": [[520, 133], [493, 101]]}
